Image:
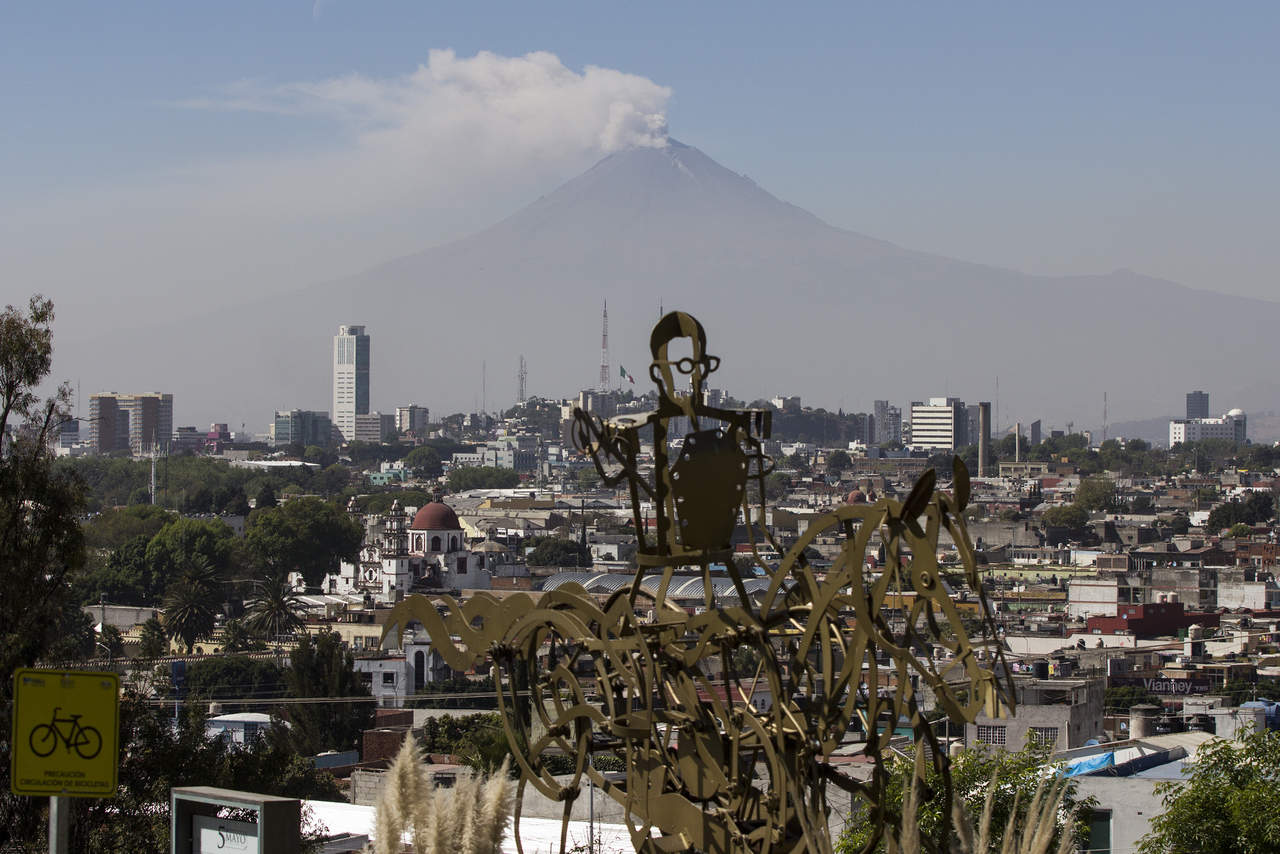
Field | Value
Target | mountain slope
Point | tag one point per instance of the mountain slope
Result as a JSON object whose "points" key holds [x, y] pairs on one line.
{"points": [[791, 304]]}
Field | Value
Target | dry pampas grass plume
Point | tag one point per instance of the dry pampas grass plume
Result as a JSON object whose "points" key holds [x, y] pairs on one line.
{"points": [[471, 818], [1033, 835]]}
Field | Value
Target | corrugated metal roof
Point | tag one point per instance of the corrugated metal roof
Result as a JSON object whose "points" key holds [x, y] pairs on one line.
{"points": [[681, 587]]}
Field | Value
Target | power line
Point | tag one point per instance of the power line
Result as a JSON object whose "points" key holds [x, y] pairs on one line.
{"points": [[316, 701]]}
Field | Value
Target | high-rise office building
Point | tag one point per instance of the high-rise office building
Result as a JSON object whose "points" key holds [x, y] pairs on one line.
{"points": [[106, 423], [888, 423], [302, 427], [939, 424], [130, 422], [1035, 433], [1197, 404], [412, 419], [374, 427], [350, 379]]}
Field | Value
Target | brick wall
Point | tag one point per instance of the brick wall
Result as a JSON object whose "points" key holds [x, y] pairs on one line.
{"points": [[382, 744]]}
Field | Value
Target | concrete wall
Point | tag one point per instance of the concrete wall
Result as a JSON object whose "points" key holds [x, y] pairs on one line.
{"points": [[1076, 723], [123, 617], [995, 534], [1089, 597], [1131, 802]]}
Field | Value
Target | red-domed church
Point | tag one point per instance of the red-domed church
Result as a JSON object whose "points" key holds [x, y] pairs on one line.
{"points": [[431, 553]]}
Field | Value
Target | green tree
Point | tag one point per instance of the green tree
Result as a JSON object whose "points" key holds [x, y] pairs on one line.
{"points": [[1238, 691], [156, 756], [184, 542], [797, 463], [558, 551], [236, 637], [1120, 698], [41, 543], [266, 497], [1254, 510], [276, 609], [321, 667], [424, 461], [776, 485], [124, 579], [305, 535], [482, 477], [1071, 516], [838, 461], [1142, 504], [1240, 529], [191, 602], [154, 642], [1095, 493], [235, 677], [1226, 805], [112, 641], [587, 477], [114, 527], [380, 502], [1017, 777], [332, 480]]}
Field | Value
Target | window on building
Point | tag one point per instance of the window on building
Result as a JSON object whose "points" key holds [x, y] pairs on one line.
{"points": [[435, 544], [462, 566], [1098, 840], [1043, 736], [994, 735], [389, 678]]}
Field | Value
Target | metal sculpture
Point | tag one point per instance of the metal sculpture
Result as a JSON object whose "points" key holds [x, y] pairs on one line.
{"points": [[725, 718]]}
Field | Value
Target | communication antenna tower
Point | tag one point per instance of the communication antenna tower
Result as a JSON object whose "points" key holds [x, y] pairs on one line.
{"points": [[604, 348], [522, 377], [1104, 416]]}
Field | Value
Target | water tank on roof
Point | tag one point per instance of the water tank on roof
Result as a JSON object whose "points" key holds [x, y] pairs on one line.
{"points": [[1040, 669]]}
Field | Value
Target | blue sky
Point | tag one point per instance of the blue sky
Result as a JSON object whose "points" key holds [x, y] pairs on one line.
{"points": [[1052, 138]]}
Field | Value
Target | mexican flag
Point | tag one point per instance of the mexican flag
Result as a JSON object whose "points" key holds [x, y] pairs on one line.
{"points": [[626, 376]]}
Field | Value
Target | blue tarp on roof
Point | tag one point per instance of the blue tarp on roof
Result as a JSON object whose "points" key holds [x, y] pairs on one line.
{"points": [[1090, 764]]}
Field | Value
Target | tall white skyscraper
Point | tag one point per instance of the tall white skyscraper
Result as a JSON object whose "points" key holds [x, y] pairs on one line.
{"points": [[350, 379]]}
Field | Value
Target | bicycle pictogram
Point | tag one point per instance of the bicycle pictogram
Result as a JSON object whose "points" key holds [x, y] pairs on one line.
{"points": [[85, 740]]}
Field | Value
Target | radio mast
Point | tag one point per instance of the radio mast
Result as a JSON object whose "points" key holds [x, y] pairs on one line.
{"points": [[604, 348]]}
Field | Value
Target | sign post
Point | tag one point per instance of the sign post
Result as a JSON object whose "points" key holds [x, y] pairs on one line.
{"points": [[64, 741], [195, 825]]}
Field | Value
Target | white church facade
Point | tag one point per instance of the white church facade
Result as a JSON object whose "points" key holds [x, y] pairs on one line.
{"points": [[399, 556]]}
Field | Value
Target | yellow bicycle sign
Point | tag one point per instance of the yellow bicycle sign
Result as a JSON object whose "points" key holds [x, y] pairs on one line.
{"points": [[65, 733], [86, 740]]}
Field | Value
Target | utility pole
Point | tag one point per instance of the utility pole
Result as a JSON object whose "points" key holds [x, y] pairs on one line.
{"points": [[59, 825]]}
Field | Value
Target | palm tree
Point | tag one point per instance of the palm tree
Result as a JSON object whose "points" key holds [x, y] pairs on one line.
{"points": [[190, 603], [154, 642], [276, 609]]}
